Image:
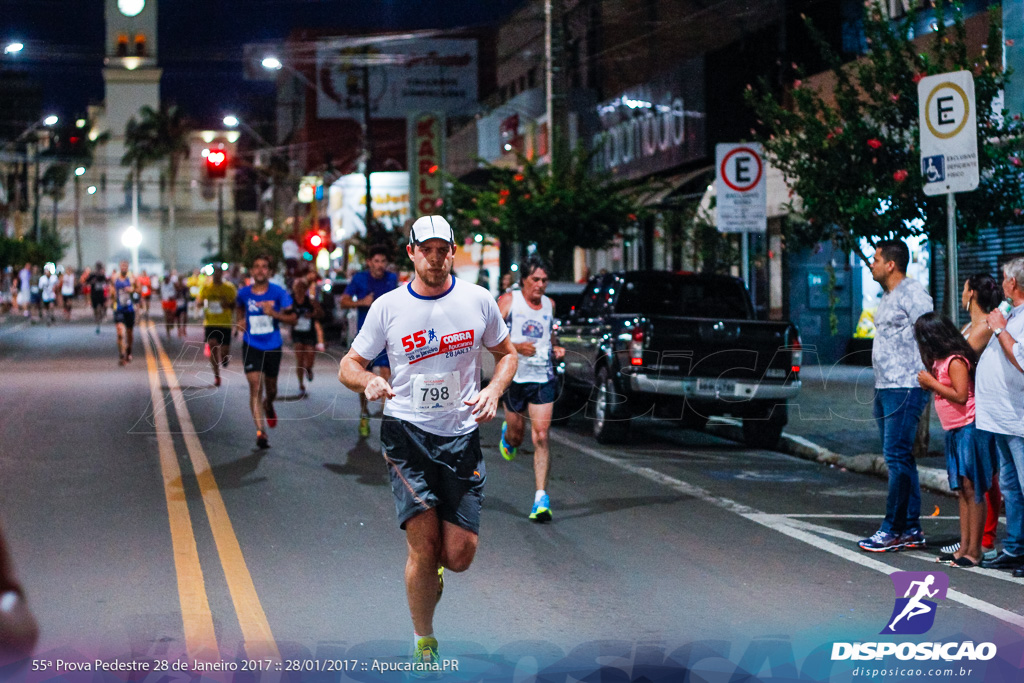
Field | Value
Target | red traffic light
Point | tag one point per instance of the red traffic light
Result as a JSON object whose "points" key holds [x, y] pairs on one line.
{"points": [[216, 163], [314, 242]]}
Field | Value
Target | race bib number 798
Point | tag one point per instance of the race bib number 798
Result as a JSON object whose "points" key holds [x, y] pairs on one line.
{"points": [[436, 393]]}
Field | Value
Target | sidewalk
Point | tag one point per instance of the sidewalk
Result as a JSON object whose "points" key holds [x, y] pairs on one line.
{"points": [[831, 422]]}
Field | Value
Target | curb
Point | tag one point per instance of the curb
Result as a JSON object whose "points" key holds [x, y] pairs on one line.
{"points": [[931, 478]]}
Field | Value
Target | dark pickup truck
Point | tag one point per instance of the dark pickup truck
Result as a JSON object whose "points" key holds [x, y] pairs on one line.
{"points": [[676, 346]]}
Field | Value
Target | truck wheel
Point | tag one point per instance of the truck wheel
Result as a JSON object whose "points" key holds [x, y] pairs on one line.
{"points": [[611, 425], [764, 432]]}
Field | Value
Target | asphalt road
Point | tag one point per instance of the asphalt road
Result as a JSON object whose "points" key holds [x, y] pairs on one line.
{"points": [[146, 527]]}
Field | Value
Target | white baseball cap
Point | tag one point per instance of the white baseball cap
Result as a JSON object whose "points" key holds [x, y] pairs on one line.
{"points": [[429, 228]]}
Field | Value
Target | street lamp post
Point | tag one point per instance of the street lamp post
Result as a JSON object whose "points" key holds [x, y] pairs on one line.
{"points": [[79, 172], [36, 193], [132, 238], [272, 63], [232, 121]]}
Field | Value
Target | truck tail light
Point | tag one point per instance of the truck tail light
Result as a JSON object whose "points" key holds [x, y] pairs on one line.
{"points": [[798, 355], [636, 348]]}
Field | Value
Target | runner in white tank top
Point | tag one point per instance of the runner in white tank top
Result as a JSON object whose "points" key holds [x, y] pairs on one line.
{"points": [[530, 315], [433, 330]]}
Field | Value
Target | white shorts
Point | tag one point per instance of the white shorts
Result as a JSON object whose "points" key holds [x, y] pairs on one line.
{"points": [[23, 298]]}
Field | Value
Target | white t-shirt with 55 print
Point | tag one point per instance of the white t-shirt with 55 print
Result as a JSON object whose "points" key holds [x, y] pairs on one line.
{"points": [[434, 345]]}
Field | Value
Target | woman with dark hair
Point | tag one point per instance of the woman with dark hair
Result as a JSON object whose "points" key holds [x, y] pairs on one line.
{"points": [[982, 294], [950, 363]]}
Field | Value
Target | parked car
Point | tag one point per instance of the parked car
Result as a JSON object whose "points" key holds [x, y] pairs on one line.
{"points": [[676, 345]]}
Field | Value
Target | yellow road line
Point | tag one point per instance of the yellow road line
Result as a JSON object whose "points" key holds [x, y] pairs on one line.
{"points": [[259, 640], [200, 639]]}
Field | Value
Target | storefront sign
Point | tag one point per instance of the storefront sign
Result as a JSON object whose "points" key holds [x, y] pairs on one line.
{"points": [[426, 142], [654, 126]]}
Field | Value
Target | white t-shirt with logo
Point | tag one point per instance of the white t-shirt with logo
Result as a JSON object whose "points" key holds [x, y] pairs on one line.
{"points": [[48, 286], [434, 345]]}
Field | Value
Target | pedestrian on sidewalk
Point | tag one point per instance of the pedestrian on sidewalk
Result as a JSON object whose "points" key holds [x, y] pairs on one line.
{"points": [[999, 399], [899, 401], [951, 362], [982, 294]]}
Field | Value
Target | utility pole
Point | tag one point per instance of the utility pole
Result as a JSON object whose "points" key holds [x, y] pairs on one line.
{"points": [[220, 218], [554, 77], [367, 144], [78, 221], [36, 225]]}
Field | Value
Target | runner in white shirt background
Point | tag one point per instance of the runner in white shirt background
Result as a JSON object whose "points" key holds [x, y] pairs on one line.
{"points": [[533, 391], [48, 290], [434, 330]]}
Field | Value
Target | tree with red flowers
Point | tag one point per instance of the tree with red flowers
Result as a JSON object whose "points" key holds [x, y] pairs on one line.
{"points": [[853, 159], [530, 204]]}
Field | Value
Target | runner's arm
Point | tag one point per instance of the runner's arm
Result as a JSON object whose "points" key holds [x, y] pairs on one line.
{"points": [[353, 374], [505, 363], [288, 316], [239, 320], [559, 351]]}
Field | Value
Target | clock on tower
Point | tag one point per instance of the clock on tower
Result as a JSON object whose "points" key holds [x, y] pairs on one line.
{"points": [[131, 8]]}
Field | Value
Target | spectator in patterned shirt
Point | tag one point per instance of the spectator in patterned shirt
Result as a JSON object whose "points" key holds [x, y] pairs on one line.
{"points": [[899, 401]]}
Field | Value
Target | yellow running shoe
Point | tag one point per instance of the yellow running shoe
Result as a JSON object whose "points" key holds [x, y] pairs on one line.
{"points": [[426, 653]]}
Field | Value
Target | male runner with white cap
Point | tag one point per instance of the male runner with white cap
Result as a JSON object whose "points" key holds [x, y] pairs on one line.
{"points": [[434, 330]]}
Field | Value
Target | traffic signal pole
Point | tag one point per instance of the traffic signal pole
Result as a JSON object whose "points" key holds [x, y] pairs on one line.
{"points": [[220, 218]]}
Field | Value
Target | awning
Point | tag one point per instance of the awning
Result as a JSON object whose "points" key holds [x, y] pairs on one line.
{"points": [[779, 195], [657, 192]]}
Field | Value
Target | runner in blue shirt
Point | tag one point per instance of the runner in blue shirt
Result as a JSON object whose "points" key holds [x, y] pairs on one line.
{"points": [[365, 287], [262, 308], [124, 312]]}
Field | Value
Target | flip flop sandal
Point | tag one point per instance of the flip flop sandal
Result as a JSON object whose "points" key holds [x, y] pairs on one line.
{"points": [[963, 563]]}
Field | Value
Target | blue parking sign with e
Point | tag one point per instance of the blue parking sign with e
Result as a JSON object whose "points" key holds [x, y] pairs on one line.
{"points": [[933, 168]]}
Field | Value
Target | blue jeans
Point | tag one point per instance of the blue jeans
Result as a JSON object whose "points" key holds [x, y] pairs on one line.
{"points": [[898, 412], [1011, 482]]}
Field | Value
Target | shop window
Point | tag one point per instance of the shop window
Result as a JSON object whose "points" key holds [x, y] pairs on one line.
{"points": [[531, 78]]}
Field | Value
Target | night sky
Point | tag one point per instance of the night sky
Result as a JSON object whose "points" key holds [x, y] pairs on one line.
{"points": [[200, 43]]}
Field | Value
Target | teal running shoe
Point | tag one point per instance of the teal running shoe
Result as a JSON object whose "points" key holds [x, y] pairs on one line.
{"points": [[507, 452], [541, 510]]}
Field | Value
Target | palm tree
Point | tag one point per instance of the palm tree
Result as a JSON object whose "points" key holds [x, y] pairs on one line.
{"points": [[159, 135], [54, 181], [73, 146]]}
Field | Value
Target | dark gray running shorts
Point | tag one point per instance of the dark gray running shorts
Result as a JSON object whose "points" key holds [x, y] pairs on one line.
{"points": [[519, 395], [429, 471]]}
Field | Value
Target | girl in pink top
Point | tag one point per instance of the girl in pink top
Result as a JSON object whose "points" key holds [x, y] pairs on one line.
{"points": [[970, 469]]}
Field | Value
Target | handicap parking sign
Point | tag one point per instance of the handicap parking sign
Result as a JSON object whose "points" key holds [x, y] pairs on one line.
{"points": [[933, 168]]}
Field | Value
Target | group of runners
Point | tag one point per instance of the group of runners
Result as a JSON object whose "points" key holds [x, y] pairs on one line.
{"points": [[418, 349], [43, 290]]}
